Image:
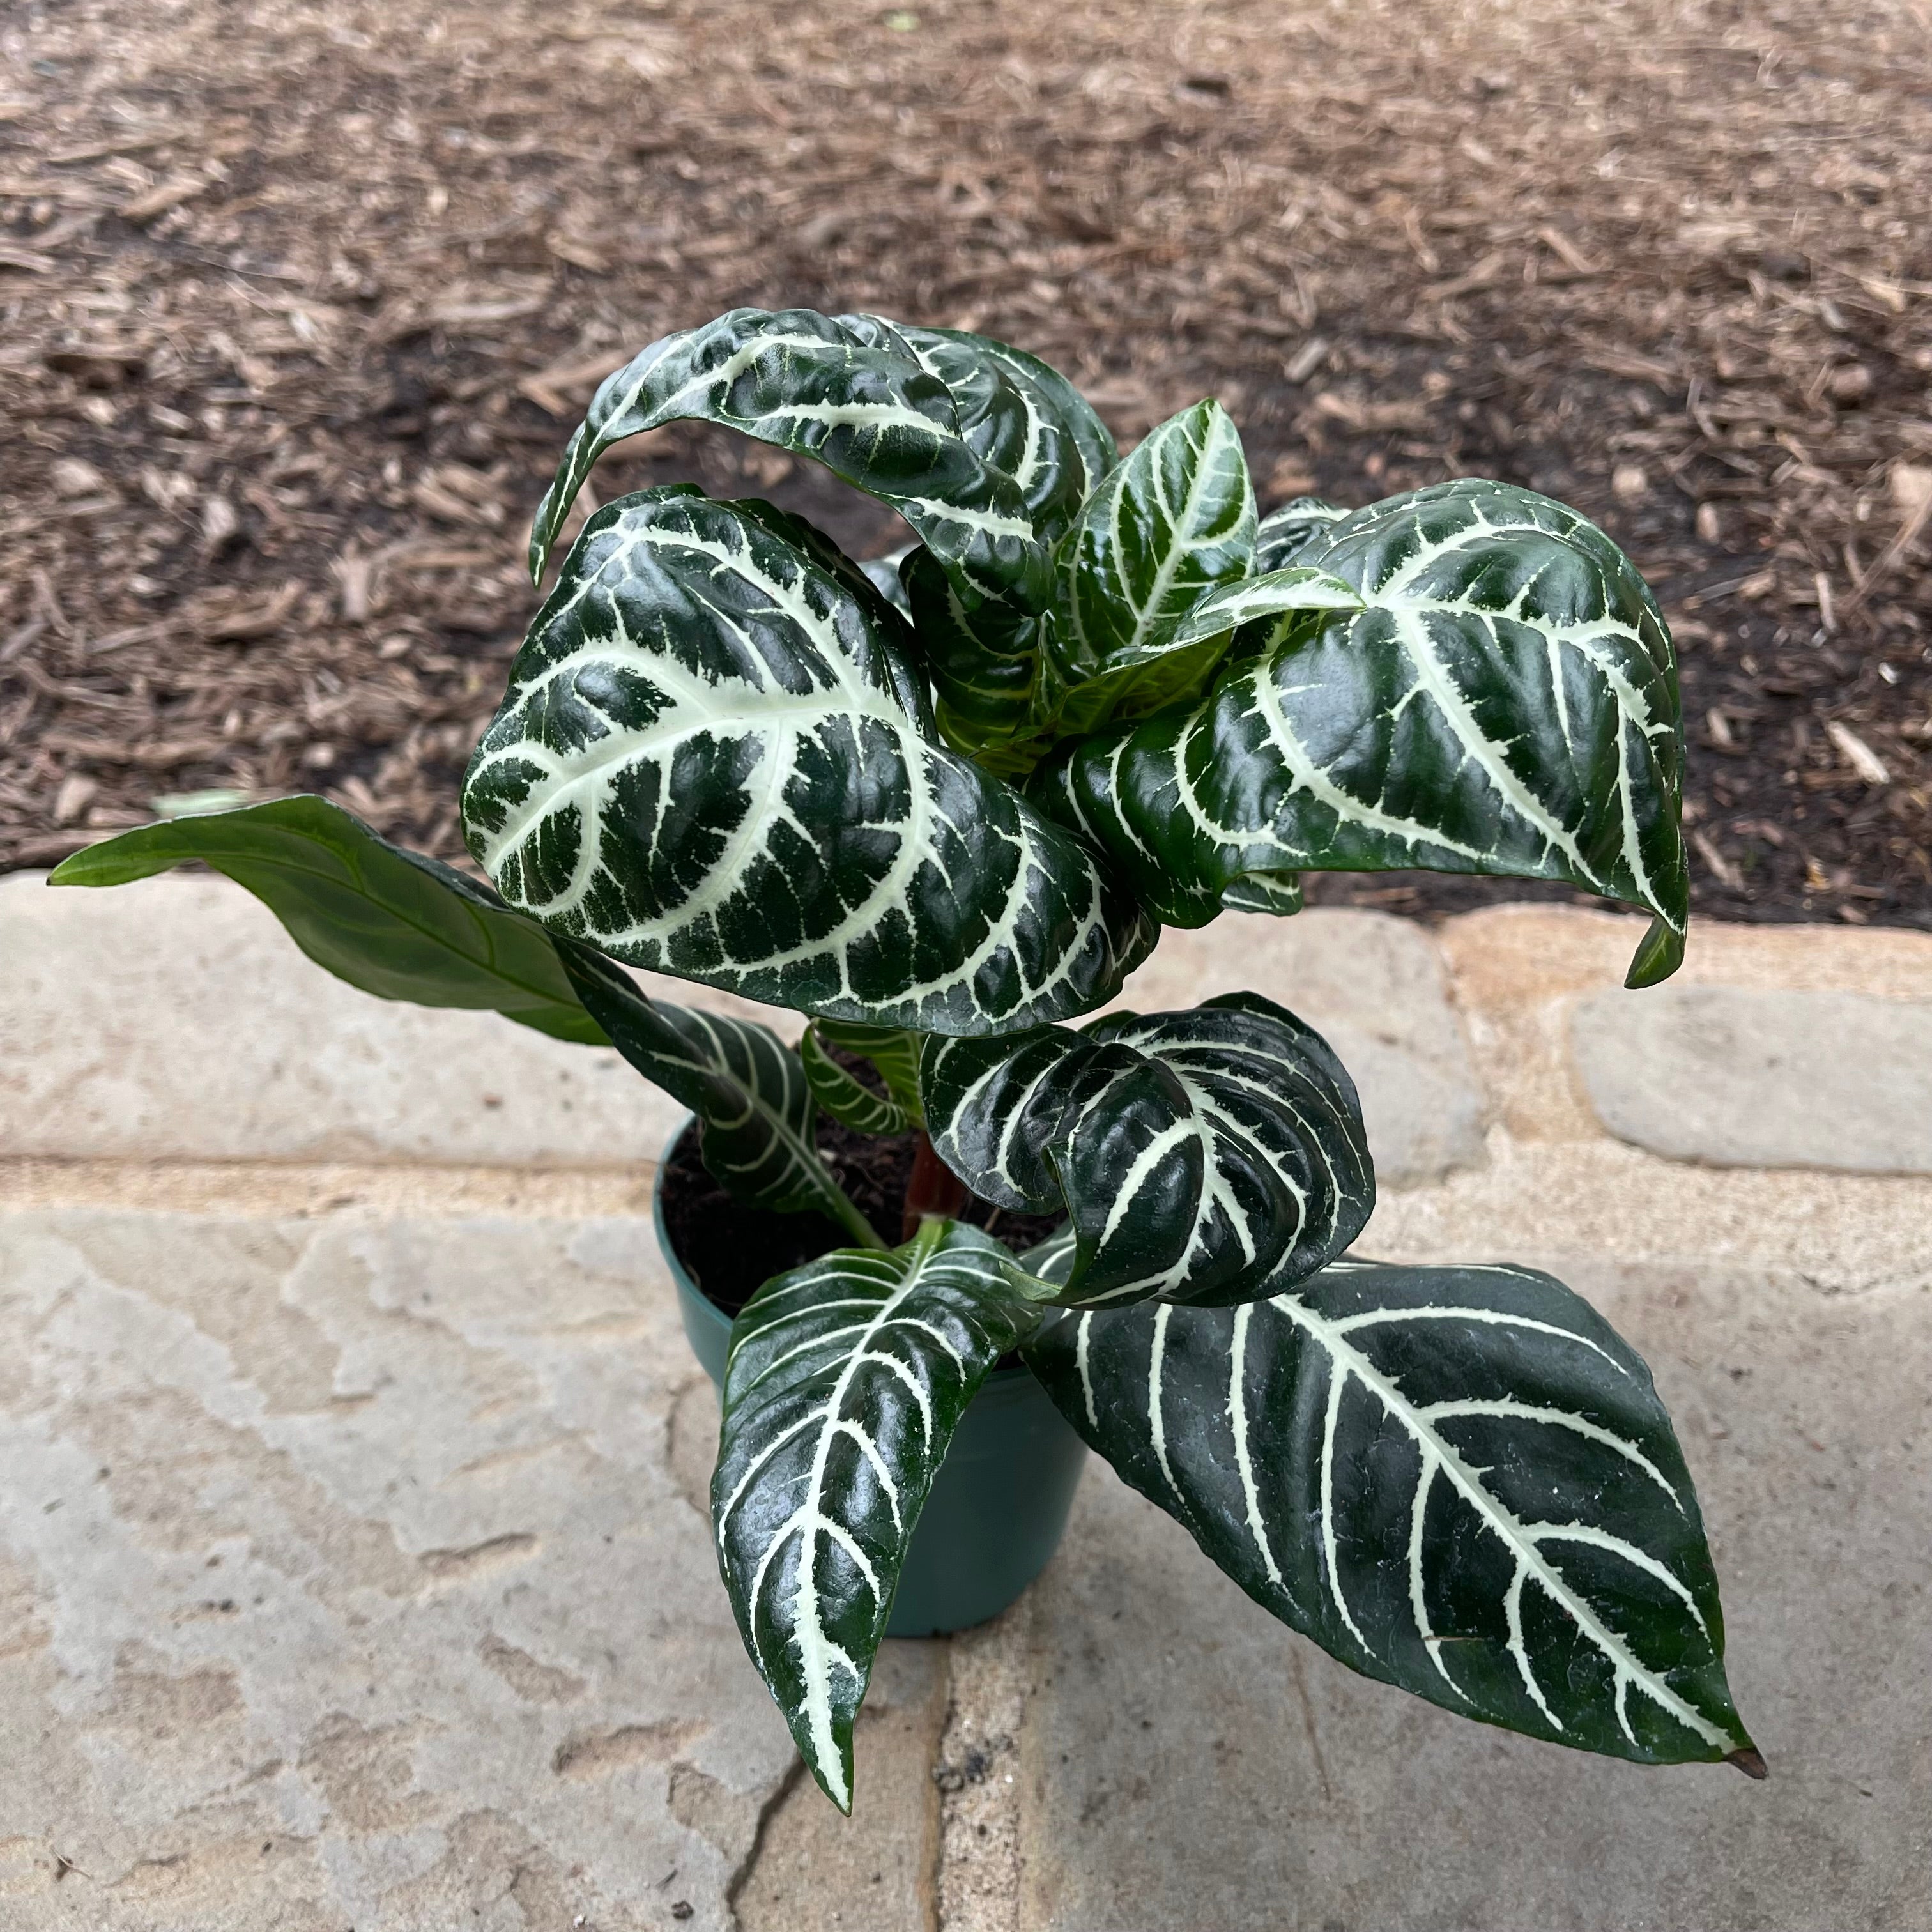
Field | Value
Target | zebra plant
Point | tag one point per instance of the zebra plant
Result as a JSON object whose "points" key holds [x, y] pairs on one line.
{"points": [[943, 805]]}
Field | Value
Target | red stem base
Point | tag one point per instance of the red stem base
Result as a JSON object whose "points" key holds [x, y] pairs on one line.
{"points": [[934, 1188]]}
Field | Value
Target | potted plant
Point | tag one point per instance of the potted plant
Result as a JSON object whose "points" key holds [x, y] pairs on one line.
{"points": [[943, 805]]}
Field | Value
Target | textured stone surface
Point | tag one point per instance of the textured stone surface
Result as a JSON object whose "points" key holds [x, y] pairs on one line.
{"points": [[174, 1018], [1375, 987], [1519, 970], [1740, 1078], [1190, 1764], [416, 1688], [346, 1579]]}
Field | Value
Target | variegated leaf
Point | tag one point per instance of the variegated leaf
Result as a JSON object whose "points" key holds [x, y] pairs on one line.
{"points": [[893, 1051], [715, 760], [1457, 1480], [1199, 1155], [391, 922], [1138, 683], [846, 1380], [983, 659], [926, 421], [844, 1095], [1023, 417], [747, 1088], [1285, 533], [1250, 599], [1169, 524], [1278, 894], [1505, 703]]}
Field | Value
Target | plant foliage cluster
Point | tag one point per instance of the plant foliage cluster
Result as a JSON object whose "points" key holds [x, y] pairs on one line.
{"points": [[943, 804]]}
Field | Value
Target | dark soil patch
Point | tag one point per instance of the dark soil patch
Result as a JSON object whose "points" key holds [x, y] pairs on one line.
{"points": [[731, 1250], [287, 361]]}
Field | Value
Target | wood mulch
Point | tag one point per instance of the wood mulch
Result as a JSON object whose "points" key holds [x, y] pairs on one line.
{"points": [[300, 302]]}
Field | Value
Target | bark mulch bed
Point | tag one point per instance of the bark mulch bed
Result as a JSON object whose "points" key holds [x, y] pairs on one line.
{"points": [[301, 302]]}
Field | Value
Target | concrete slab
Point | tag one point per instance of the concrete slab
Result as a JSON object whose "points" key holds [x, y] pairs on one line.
{"points": [[1519, 970], [174, 1019], [346, 1579], [1188, 1764], [1740, 1078], [1375, 987]]}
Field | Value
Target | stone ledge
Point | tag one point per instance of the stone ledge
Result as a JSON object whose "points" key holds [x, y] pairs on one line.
{"points": [[1518, 971], [173, 1019], [1745, 1077]]}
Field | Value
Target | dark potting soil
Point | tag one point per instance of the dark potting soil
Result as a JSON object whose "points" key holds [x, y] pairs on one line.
{"points": [[731, 1250]]}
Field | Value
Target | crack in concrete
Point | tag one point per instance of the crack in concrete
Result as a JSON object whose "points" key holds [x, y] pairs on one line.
{"points": [[742, 1874]]}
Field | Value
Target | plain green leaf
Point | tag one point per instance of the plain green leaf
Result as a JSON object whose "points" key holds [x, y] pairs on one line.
{"points": [[392, 922]]}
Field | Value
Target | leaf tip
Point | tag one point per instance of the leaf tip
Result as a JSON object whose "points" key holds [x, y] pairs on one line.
{"points": [[82, 868], [1750, 1760], [1660, 955]]}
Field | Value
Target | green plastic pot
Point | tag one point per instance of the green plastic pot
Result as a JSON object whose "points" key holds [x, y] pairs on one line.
{"points": [[999, 1504]]}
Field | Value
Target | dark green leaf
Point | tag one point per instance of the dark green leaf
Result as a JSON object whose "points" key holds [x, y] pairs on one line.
{"points": [[745, 1085], [1134, 684], [1506, 704], [893, 1051], [846, 1379], [1285, 532], [392, 922], [1024, 418], [859, 394], [1278, 894], [1200, 1155], [1456, 1480], [845, 1096], [715, 760], [1279, 593], [1171, 523], [984, 672]]}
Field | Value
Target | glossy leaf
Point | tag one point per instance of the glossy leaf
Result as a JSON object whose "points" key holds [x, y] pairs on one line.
{"points": [[1199, 1155], [715, 760], [1138, 684], [1278, 894], [1457, 1480], [1285, 533], [893, 1052], [845, 1096], [1025, 417], [1506, 703], [924, 420], [846, 1380], [1169, 524], [983, 659], [1251, 599], [392, 922], [747, 1088]]}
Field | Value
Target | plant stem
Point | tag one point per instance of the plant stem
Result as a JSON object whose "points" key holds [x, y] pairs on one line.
{"points": [[855, 1224], [934, 1190]]}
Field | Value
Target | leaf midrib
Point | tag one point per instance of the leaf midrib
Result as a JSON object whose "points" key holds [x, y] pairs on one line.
{"points": [[488, 966]]}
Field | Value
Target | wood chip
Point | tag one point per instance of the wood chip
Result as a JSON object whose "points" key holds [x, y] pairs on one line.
{"points": [[162, 197], [1857, 753]]}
